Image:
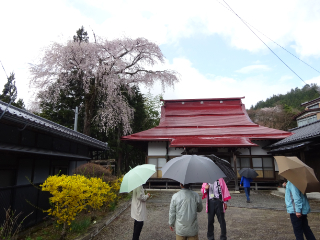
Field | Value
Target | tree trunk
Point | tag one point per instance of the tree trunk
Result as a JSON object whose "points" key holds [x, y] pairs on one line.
{"points": [[119, 152], [64, 232]]}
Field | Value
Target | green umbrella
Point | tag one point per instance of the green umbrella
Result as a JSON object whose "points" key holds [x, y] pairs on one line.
{"points": [[136, 177]]}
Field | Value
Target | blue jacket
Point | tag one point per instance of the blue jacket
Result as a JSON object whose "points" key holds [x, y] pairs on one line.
{"points": [[246, 181], [296, 201]]}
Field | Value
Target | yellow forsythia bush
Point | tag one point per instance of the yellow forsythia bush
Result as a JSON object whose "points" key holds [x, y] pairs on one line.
{"points": [[115, 185], [71, 194]]}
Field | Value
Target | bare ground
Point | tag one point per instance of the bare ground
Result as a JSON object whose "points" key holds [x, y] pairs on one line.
{"points": [[264, 218]]}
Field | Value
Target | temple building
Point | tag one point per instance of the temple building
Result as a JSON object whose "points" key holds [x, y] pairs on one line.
{"points": [[219, 126]]}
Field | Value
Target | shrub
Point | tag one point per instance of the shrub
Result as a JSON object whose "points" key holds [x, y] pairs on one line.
{"points": [[95, 170], [72, 194]]}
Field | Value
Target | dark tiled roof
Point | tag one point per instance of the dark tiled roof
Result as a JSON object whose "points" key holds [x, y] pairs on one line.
{"points": [[294, 146], [24, 117], [301, 133]]}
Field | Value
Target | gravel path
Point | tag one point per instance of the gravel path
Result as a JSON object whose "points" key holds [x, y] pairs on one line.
{"points": [[264, 218]]}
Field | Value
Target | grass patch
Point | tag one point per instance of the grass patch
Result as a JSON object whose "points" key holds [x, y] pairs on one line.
{"points": [[80, 226]]}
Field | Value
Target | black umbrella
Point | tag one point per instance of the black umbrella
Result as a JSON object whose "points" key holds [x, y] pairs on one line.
{"points": [[248, 173], [192, 169], [225, 166]]}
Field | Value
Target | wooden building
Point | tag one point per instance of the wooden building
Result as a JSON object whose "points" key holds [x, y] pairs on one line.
{"points": [[305, 141], [219, 126], [31, 149]]}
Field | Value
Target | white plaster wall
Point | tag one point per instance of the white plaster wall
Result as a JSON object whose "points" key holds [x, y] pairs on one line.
{"points": [[175, 151], [24, 171], [157, 149], [259, 150]]}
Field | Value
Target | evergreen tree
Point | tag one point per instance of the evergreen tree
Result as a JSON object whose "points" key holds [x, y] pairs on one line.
{"points": [[82, 36], [278, 111], [9, 93], [294, 98]]}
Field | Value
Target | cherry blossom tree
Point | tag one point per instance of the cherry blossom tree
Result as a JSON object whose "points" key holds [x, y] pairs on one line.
{"points": [[104, 70]]}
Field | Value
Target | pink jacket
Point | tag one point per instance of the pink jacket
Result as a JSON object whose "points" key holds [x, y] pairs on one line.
{"points": [[224, 191]]}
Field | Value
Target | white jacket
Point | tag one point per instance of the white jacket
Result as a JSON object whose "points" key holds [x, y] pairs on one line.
{"points": [[138, 205], [183, 212]]}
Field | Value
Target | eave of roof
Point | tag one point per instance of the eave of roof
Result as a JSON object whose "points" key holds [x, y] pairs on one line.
{"points": [[21, 149], [289, 147], [306, 111], [211, 142], [24, 117], [310, 102]]}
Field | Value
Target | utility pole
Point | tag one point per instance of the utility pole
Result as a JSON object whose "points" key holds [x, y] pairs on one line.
{"points": [[76, 120]]}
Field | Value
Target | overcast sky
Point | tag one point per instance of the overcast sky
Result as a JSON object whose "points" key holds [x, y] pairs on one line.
{"points": [[214, 52]]}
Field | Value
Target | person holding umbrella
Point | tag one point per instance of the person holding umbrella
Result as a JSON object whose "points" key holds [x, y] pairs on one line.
{"points": [[133, 180], [301, 180], [138, 210], [298, 207], [246, 185], [246, 177]]}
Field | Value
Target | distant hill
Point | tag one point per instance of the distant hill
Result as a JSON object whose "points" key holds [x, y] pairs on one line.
{"points": [[278, 111], [292, 99]]}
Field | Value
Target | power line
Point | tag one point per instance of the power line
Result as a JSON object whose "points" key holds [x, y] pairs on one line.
{"points": [[245, 23], [3, 69], [273, 41]]}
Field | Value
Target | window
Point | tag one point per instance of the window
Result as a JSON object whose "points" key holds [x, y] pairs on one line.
{"points": [[243, 163], [268, 168], [257, 166], [307, 120], [262, 165], [314, 106]]}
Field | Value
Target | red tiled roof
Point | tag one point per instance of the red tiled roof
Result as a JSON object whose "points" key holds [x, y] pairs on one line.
{"points": [[206, 122]]}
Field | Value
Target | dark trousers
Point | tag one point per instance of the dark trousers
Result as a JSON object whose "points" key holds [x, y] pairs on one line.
{"points": [[215, 207], [137, 229], [247, 191], [300, 227]]}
